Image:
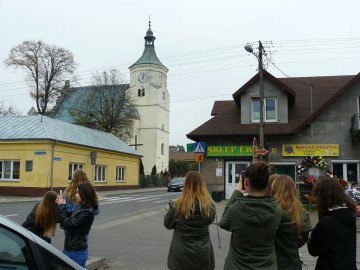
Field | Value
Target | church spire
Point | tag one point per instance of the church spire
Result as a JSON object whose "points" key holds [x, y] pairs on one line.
{"points": [[149, 55]]}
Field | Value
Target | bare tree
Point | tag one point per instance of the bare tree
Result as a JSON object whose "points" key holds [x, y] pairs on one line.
{"points": [[108, 106], [5, 111], [46, 68]]}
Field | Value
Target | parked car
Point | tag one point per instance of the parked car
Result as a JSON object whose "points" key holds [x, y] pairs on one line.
{"points": [[176, 184], [21, 249]]}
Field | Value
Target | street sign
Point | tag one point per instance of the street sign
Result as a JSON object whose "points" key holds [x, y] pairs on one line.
{"points": [[199, 148], [262, 151], [199, 157]]}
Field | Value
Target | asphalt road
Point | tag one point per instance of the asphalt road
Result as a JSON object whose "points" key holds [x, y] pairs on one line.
{"points": [[129, 231]]}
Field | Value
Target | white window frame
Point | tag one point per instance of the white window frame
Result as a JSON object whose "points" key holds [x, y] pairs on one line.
{"points": [[265, 109], [102, 173], [120, 173], [11, 177], [73, 166]]}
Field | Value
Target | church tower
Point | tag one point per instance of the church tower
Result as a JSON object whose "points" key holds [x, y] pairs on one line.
{"points": [[148, 87]]}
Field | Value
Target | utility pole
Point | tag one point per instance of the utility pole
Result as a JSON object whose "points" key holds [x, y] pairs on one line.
{"points": [[261, 78]]}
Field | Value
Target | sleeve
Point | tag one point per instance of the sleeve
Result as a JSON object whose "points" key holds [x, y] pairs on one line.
{"points": [[212, 217], [225, 221], [71, 220], [306, 227], [29, 223], [169, 218], [322, 237]]}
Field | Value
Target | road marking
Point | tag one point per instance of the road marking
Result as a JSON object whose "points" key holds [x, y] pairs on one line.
{"points": [[145, 198], [122, 221], [162, 201], [13, 215]]}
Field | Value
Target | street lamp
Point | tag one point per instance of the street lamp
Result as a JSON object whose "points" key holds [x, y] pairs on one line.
{"points": [[249, 49]]}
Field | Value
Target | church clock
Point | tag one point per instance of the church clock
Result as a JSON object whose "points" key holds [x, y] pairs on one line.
{"points": [[143, 77]]}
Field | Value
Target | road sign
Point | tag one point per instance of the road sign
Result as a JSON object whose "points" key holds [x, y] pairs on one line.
{"points": [[199, 157], [262, 151], [199, 148]]}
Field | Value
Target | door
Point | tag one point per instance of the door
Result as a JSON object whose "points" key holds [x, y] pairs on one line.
{"points": [[233, 171]]}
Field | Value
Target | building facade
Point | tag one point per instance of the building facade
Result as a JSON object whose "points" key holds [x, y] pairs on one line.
{"points": [[38, 154], [303, 117]]}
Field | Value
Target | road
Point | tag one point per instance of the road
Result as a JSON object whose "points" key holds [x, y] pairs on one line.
{"points": [[129, 231]]}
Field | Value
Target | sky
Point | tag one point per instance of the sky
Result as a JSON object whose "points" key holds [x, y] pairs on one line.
{"points": [[200, 42]]}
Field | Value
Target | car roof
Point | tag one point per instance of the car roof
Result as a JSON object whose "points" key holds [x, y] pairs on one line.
{"points": [[32, 237]]}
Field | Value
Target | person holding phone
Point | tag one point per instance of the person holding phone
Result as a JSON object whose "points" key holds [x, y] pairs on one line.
{"points": [[78, 223]]}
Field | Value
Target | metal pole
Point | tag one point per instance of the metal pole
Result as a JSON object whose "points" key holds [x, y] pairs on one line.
{"points": [[261, 78]]}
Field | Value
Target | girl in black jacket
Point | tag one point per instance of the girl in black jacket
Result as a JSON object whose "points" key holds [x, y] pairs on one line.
{"points": [[42, 219], [334, 237], [78, 223]]}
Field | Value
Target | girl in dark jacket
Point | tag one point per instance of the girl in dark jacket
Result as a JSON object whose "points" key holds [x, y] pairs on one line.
{"points": [[334, 237], [78, 223], [42, 219], [190, 216], [295, 225]]}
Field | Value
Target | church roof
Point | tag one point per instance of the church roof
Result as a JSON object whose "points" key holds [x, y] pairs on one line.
{"points": [[71, 100], [38, 127], [149, 55]]}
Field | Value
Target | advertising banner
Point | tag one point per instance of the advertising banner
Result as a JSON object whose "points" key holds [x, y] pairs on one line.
{"points": [[301, 150]]}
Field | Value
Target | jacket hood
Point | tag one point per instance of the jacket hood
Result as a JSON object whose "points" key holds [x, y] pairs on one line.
{"points": [[343, 215]]}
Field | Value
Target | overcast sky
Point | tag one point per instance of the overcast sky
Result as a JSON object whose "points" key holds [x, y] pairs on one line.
{"points": [[201, 43]]}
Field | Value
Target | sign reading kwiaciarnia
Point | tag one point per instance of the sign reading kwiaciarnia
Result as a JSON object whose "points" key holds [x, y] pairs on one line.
{"points": [[229, 150], [300, 150]]}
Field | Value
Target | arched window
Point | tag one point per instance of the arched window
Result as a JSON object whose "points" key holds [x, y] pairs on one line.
{"points": [[163, 127]]}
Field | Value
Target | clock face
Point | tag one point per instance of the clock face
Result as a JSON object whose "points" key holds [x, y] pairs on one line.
{"points": [[143, 77]]}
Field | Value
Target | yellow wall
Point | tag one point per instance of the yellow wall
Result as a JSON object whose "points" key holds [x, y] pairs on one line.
{"points": [[40, 176]]}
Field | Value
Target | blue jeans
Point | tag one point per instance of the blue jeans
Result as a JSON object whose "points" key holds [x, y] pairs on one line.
{"points": [[78, 256]]}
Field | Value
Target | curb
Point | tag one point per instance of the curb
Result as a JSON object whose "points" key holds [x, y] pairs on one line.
{"points": [[95, 263]]}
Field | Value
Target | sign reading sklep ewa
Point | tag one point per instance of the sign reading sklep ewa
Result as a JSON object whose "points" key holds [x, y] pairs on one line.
{"points": [[300, 150]]}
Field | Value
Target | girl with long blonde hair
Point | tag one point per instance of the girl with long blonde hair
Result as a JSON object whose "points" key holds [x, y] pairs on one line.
{"points": [[295, 225], [190, 216], [42, 219], [79, 177]]}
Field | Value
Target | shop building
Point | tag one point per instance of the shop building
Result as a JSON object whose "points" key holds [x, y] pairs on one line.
{"points": [[306, 116]]}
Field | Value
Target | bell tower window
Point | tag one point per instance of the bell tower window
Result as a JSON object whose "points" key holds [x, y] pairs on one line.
{"points": [[141, 92]]}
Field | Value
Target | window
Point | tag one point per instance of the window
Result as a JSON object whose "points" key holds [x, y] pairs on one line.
{"points": [[163, 95], [99, 174], [9, 170], [347, 170], [29, 166], [120, 174], [162, 148], [73, 167], [14, 254], [141, 92], [270, 109]]}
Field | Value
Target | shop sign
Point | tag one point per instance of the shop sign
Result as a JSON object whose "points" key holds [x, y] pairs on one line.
{"points": [[300, 150], [229, 151]]}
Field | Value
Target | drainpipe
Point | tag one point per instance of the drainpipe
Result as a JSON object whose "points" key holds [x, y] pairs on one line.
{"points": [[52, 165]]}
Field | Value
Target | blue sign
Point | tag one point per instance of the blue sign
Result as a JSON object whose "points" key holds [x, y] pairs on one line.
{"points": [[57, 158], [199, 148], [40, 152]]}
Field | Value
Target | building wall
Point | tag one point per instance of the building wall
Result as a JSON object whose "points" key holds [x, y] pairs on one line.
{"points": [[154, 110], [46, 175]]}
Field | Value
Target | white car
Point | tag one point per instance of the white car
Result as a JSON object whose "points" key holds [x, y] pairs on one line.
{"points": [[21, 249]]}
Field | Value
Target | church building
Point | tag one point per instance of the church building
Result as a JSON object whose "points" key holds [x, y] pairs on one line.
{"points": [[148, 88]]}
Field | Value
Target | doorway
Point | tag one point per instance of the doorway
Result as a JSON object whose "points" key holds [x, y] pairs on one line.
{"points": [[233, 171]]}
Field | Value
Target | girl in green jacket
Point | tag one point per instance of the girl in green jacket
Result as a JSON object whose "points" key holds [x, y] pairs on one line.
{"points": [[295, 224], [190, 216]]}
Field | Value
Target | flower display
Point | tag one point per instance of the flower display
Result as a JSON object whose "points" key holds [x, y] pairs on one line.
{"points": [[354, 193], [310, 180], [311, 161]]}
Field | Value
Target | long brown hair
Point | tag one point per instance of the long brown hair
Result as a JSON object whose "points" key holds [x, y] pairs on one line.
{"points": [[328, 193], [88, 195], [283, 189], [46, 214], [194, 192], [79, 177]]}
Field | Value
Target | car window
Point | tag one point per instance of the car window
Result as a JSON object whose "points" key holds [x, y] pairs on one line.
{"points": [[54, 262], [14, 253], [177, 180]]}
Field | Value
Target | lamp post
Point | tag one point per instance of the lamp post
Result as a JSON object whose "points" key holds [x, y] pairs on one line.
{"points": [[249, 49]]}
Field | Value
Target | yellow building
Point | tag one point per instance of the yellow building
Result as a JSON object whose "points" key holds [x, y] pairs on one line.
{"points": [[38, 153]]}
